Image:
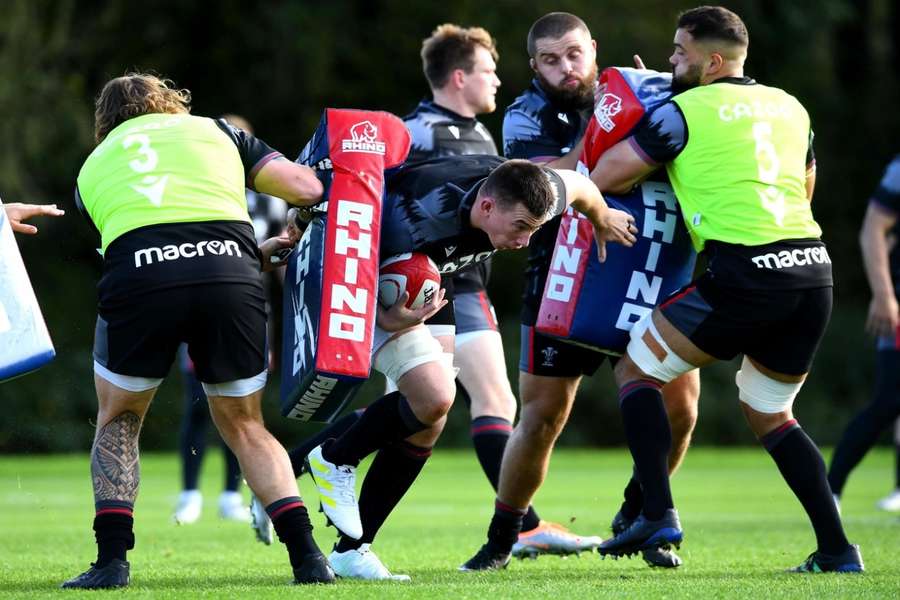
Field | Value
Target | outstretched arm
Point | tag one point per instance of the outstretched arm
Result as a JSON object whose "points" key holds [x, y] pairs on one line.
{"points": [[610, 225]]}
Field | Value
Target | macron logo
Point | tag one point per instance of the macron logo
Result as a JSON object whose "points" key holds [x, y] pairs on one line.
{"points": [[148, 256]]}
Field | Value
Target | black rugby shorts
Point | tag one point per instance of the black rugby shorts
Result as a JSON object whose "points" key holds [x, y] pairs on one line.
{"points": [[223, 325], [778, 328]]}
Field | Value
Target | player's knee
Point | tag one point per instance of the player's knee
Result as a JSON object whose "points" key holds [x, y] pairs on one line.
{"points": [[648, 355], [681, 406], [433, 409], [406, 352], [762, 393], [541, 426]]}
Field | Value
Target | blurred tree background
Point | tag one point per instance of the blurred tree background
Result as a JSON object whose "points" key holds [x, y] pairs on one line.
{"points": [[279, 63]]}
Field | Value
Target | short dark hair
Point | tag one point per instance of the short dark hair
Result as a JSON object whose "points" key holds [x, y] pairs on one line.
{"points": [[452, 47], [553, 25], [716, 23], [522, 182]]}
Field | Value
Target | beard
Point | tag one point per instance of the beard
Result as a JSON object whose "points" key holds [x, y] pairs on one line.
{"points": [[689, 79], [579, 98]]}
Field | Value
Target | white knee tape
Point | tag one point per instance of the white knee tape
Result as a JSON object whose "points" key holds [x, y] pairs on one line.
{"points": [[665, 370], [127, 382], [762, 393], [238, 387], [413, 348]]}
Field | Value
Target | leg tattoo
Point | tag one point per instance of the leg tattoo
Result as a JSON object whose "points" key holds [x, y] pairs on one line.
{"points": [[114, 459]]}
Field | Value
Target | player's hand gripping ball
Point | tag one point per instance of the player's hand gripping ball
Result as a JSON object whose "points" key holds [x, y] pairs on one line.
{"points": [[410, 272]]}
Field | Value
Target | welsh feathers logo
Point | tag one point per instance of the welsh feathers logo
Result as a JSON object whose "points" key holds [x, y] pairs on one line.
{"points": [[363, 139], [609, 106]]}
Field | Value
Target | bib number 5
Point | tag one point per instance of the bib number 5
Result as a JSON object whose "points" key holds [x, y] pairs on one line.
{"points": [[768, 168]]}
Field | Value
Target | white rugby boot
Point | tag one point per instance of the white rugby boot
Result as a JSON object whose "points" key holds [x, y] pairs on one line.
{"points": [[260, 521], [362, 564], [232, 508], [891, 502], [337, 492], [189, 507]]}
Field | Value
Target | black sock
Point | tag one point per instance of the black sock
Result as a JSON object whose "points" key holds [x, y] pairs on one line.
{"points": [[386, 420], [505, 527], [489, 435], [634, 498], [392, 473], [649, 439], [802, 467], [291, 522], [897, 466], [863, 431], [113, 530], [193, 432], [335, 430], [232, 470]]}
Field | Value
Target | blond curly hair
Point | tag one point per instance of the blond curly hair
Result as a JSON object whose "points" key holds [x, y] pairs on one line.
{"points": [[133, 95]]}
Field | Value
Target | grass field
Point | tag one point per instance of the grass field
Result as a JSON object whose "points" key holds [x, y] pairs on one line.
{"points": [[742, 528]]}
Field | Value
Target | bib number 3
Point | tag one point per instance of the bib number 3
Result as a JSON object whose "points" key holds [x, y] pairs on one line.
{"points": [[151, 187]]}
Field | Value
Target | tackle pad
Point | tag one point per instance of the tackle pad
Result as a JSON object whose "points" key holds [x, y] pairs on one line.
{"points": [[25, 344], [595, 304], [331, 281]]}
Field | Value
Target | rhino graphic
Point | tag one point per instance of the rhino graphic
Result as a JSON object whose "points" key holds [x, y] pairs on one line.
{"points": [[364, 132]]}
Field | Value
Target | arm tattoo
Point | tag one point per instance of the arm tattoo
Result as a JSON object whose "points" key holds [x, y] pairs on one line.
{"points": [[114, 459]]}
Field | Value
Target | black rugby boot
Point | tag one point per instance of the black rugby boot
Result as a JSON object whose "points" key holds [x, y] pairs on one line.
{"points": [[848, 561], [116, 573], [661, 557], [643, 534], [486, 559], [314, 569]]}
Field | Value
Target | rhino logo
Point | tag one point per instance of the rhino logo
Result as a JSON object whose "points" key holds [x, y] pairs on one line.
{"points": [[363, 136], [609, 106]]}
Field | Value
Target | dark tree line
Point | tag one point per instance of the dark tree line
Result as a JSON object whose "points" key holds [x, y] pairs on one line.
{"points": [[280, 63]]}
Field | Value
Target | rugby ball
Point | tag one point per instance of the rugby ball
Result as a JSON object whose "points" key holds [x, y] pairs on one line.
{"points": [[411, 272]]}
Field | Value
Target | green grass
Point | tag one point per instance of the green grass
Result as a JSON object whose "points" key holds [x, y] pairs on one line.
{"points": [[742, 527]]}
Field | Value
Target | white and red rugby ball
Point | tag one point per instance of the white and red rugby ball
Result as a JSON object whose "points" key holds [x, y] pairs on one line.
{"points": [[411, 272]]}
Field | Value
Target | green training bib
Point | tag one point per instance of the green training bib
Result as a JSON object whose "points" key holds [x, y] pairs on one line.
{"points": [[162, 168], [741, 178]]}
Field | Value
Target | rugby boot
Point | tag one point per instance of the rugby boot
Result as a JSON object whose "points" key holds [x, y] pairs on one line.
{"points": [[232, 508], [655, 557], [362, 563], [848, 561], [890, 503], [260, 521], [116, 573], [643, 534], [337, 492], [189, 508], [314, 569], [552, 538], [486, 559]]}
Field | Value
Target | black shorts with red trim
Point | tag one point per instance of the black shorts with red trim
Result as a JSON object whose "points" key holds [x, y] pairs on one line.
{"points": [[193, 283], [780, 329], [474, 312], [547, 356]]}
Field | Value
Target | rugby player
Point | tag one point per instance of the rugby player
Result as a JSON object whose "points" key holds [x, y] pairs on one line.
{"points": [[459, 211], [545, 125], [459, 65], [165, 192], [881, 258], [739, 156], [267, 215]]}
